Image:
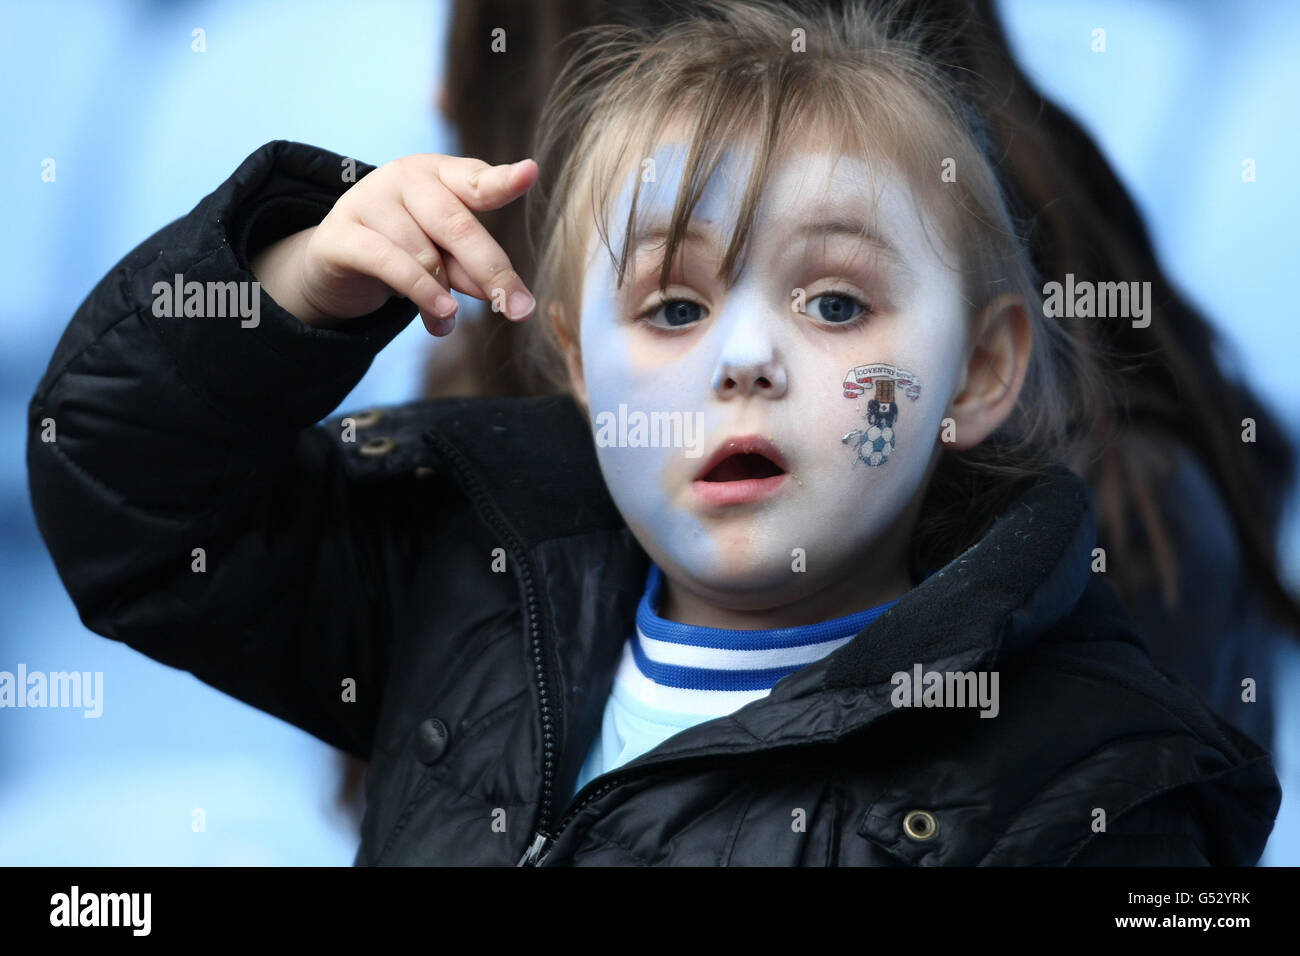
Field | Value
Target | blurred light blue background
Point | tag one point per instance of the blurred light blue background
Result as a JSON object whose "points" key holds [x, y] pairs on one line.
{"points": [[141, 128]]}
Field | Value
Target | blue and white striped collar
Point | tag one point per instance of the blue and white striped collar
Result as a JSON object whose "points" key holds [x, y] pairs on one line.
{"points": [[711, 658]]}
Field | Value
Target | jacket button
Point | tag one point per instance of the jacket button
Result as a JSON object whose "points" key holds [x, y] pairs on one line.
{"points": [[377, 446], [920, 825], [430, 740], [367, 418]]}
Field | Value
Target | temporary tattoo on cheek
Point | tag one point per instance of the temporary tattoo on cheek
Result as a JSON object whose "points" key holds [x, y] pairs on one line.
{"points": [[875, 443]]}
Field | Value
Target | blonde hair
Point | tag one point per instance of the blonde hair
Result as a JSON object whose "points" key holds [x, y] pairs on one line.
{"points": [[735, 73]]}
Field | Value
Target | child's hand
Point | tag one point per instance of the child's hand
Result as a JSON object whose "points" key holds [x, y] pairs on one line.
{"points": [[406, 228]]}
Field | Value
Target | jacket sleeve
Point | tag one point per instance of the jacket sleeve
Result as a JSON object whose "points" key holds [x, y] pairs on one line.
{"points": [[193, 507]]}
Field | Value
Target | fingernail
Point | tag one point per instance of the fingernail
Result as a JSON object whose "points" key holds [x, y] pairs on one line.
{"points": [[519, 305], [443, 306], [443, 326]]}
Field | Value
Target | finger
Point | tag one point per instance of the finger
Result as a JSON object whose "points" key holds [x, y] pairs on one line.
{"points": [[457, 231], [481, 186], [396, 223], [374, 254], [460, 279], [404, 229], [438, 327]]}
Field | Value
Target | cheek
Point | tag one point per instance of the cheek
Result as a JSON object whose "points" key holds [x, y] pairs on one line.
{"points": [[620, 370], [622, 385], [605, 360], [878, 405]]}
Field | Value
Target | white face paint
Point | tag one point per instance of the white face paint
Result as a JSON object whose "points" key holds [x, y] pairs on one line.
{"points": [[752, 366]]}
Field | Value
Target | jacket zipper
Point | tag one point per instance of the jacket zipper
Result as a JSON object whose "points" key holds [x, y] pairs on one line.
{"points": [[545, 682], [537, 851], [541, 847]]}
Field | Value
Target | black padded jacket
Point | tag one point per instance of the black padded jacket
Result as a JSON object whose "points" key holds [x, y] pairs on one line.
{"points": [[348, 587]]}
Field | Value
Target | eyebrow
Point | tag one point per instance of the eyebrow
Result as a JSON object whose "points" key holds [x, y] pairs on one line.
{"points": [[833, 226], [852, 229], [658, 231]]}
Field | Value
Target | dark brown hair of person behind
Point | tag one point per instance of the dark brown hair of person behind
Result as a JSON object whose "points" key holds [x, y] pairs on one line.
{"points": [[1080, 219]]}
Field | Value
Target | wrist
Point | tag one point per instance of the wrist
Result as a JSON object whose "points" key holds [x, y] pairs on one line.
{"points": [[278, 269]]}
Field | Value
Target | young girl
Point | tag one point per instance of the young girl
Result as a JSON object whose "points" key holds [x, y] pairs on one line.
{"points": [[790, 572]]}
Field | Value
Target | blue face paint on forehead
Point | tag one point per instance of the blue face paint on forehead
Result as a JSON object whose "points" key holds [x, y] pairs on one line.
{"points": [[660, 178]]}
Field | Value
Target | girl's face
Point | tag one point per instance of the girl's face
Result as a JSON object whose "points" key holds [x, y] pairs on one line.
{"points": [[765, 441]]}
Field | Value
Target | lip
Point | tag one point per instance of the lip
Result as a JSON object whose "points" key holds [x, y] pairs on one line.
{"points": [[745, 489]]}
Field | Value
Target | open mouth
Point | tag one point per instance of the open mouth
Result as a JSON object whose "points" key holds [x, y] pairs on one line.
{"points": [[742, 466], [742, 469]]}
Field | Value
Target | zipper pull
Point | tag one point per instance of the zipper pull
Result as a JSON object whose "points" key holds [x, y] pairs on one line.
{"points": [[535, 853]]}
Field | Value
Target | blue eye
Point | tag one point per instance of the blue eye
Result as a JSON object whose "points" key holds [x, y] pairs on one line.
{"points": [[677, 313], [836, 307], [833, 308]]}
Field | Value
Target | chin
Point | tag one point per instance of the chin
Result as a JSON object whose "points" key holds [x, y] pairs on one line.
{"points": [[741, 578]]}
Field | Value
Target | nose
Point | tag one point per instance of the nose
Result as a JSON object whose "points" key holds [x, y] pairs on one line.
{"points": [[749, 364]]}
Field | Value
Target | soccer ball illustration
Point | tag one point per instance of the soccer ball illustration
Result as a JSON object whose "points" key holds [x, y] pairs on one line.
{"points": [[874, 444]]}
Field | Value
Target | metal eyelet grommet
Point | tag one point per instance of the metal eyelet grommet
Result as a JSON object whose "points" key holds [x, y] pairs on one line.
{"points": [[377, 446], [920, 825], [367, 418]]}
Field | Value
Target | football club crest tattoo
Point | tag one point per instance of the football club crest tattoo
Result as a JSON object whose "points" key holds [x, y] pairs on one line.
{"points": [[875, 443]]}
